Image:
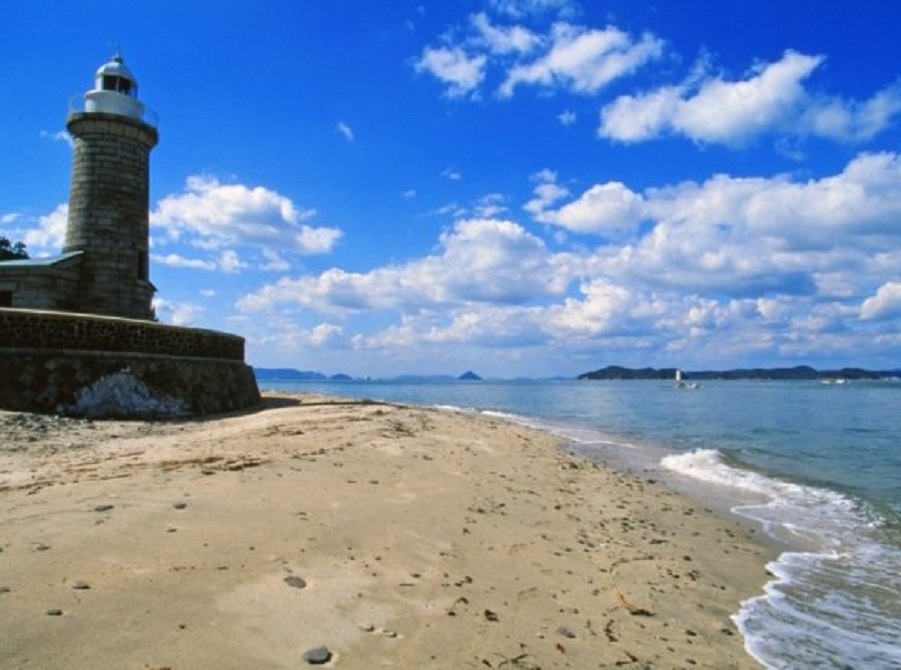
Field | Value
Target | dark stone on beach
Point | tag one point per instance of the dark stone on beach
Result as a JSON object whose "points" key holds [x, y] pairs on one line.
{"points": [[318, 656], [566, 632], [5, 589], [81, 586], [41, 547], [180, 505], [295, 581], [54, 612], [491, 616], [103, 508]]}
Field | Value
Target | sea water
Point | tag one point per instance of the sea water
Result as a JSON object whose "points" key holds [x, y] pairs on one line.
{"points": [[817, 466]]}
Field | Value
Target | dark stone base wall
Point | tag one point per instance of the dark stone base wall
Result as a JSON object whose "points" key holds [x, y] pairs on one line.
{"points": [[50, 361], [36, 329], [48, 382]]}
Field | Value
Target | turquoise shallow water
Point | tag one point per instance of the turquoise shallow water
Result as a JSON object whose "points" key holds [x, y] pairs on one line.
{"points": [[818, 466]]}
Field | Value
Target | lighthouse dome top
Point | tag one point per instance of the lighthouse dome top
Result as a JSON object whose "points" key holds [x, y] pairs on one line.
{"points": [[114, 75]]}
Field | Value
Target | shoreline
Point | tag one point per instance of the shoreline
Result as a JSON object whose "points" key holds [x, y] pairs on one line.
{"points": [[394, 535]]}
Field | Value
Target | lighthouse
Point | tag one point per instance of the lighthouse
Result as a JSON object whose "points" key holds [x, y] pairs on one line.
{"points": [[109, 196]]}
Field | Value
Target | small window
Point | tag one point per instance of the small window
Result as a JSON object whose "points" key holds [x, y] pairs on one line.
{"points": [[109, 82], [124, 86], [6, 298]]}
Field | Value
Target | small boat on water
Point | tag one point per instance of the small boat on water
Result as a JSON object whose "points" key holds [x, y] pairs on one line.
{"points": [[682, 383]]}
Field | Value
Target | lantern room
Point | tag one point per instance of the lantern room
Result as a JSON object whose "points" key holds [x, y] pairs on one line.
{"points": [[115, 91]]}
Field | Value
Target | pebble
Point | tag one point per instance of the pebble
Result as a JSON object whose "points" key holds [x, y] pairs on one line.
{"points": [[318, 656], [566, 632], [5, 589], [180, 505], [103, 508], [295, 581], [81, 586], [54, 612]]}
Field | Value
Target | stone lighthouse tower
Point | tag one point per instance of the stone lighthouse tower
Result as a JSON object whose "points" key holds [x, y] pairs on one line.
{"points": [[109, 196]]}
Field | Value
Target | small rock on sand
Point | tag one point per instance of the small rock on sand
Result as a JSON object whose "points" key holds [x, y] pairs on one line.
{"points": [[566, 632], [318, 656], [295, 581]]}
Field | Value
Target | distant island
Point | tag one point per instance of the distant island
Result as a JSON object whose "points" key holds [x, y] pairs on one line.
{"points": [[293, 375], [611, 372], [798, 373], [289, 374]]}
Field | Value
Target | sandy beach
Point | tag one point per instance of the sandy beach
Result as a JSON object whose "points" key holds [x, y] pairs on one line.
{"points": [[340, 533]]}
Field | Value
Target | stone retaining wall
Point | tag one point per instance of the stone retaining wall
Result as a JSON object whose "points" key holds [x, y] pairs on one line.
{"points": [[81, 384], [34, 329], [85, 365]]}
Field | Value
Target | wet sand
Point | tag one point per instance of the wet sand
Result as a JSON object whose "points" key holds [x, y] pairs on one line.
{"points": [[371, 535]]}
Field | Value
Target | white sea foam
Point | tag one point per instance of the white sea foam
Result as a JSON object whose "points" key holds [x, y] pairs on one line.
{"points": [[506, 416], [452, 408], [827, 606]]}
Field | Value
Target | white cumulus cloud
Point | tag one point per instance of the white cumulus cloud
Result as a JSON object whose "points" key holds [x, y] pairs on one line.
{"points": [[216, 216], [886, 303], [604, 209], [462, 73], [584, 60], [715, 110], [568, 56], [50, 234], [481, 260], [773, 98]]}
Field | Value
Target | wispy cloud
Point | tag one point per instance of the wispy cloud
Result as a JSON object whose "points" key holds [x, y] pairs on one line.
{"points": [[567, 117], [345, 131], [57, 136]]}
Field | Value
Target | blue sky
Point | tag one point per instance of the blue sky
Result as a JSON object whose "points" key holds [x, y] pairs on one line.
{"points": [[518, 187]]}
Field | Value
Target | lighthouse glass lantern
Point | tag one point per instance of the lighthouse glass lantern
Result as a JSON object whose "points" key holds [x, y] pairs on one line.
{"points": [[115, 91]]}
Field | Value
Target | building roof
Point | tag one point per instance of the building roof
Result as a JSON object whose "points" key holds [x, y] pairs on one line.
{"points": [[40, 262]]}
